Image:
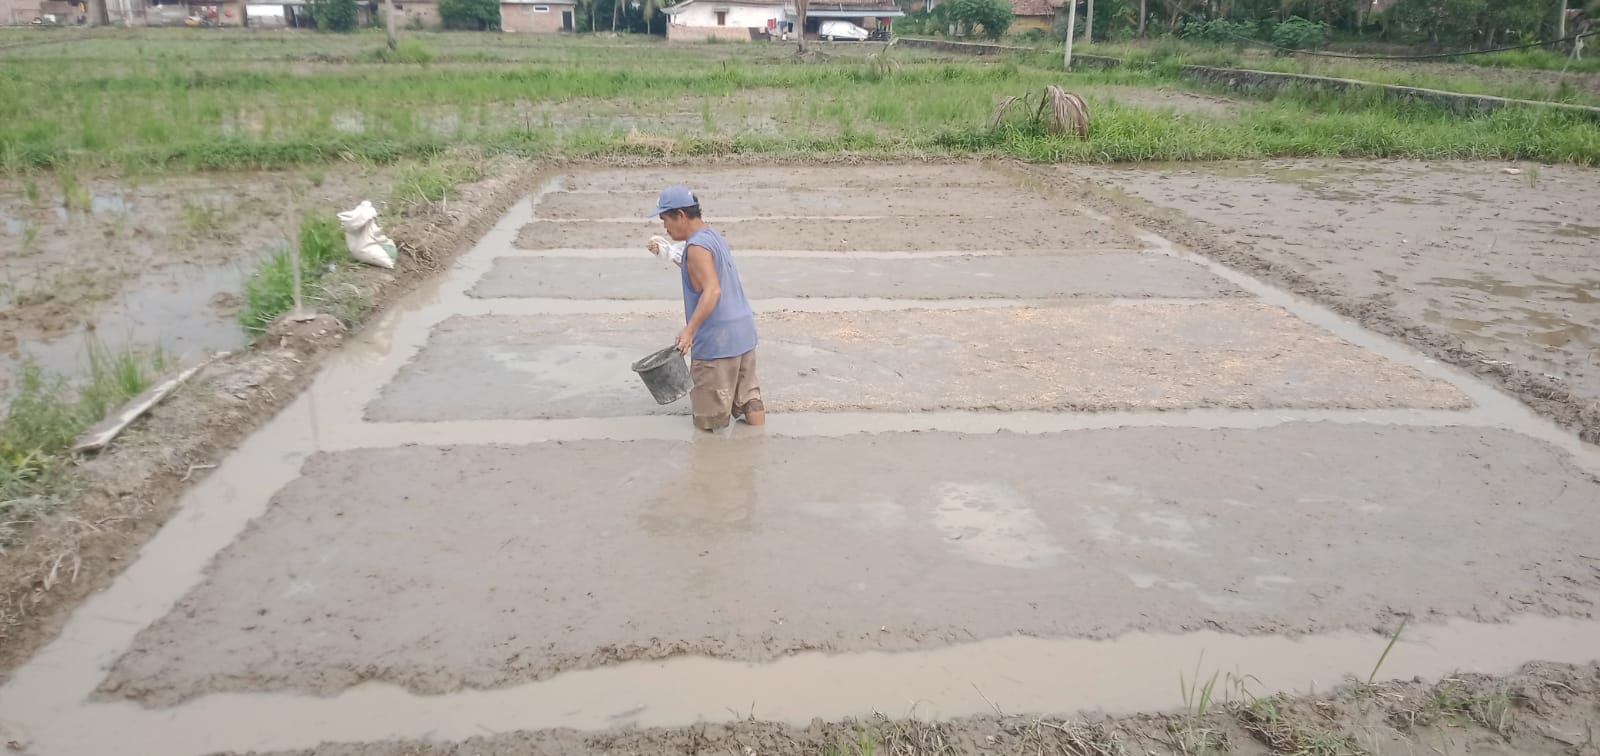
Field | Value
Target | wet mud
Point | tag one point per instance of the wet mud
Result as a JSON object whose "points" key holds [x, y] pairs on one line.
{"points": [[1084, 357], [1134, 276], [1063, 231], [718, 200], [406, 587], [1491, 271], [715, 183], [1542, 710], [603, 552], [157, 262], [126, 494]]}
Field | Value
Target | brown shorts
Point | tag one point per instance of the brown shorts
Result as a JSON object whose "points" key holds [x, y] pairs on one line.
{"points": [[722, 388]]}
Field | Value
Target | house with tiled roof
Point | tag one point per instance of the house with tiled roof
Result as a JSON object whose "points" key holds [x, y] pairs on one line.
{"points": [[1032, 14]]}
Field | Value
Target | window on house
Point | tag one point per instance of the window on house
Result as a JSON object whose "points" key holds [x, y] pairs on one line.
{"points": [[541, 9], [722, 18]]}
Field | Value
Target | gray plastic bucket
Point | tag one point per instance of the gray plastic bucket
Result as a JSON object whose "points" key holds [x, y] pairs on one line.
{"points": [[666, 374]]}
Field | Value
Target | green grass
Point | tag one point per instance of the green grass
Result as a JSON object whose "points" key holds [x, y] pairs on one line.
{"points": [[298, 104], [269, 292], [1266, 719], [1493, 708], [433, 180], [44, 418], [204, 216], [1449, 75], [406, 51], [29, 244], [1537, 59]]}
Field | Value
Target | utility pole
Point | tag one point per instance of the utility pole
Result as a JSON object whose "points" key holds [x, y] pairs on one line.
{"points": [[388, 23], [1072, 30], [1561, 19], [1088, 23]]}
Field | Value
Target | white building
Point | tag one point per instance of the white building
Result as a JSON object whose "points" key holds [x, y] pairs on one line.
{"points": [[700, 20]]}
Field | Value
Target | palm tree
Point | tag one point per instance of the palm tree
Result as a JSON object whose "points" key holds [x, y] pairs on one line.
{"points": [[651, 8]]}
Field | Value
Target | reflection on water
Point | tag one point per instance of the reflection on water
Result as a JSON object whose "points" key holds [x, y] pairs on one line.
{"points": [[710, 489]]}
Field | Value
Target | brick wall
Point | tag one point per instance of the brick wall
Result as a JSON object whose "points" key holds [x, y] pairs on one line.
{"points": [[428, 13], [521, 18], [18, 11]]}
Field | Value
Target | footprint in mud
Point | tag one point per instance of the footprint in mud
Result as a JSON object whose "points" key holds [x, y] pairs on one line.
{"points": [[991, 523]]}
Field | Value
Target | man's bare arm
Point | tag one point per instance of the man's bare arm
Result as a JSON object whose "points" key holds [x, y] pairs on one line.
{"points": [[702, 268]]}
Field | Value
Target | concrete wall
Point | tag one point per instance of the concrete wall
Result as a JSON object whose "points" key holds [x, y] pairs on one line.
{"points": [[1467, 104], [19, 12], [233, 13], [410, 11], [969, 48], [533, 18]]}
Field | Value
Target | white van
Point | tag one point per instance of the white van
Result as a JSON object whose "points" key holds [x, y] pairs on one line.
{"points": [[834, 31]]}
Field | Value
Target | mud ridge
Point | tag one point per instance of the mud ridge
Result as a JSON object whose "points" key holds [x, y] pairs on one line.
{"points": [[1543, 394], [130, 491]]}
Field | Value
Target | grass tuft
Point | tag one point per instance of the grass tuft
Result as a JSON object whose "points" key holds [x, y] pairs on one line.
{"points": [[406, 51], [269, 292], [204, 218], [433, 181], [1267, 720], [43, 419], [1453, 698]]}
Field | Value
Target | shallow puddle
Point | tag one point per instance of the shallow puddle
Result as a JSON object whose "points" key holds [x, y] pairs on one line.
{"points": [[1133, 673], [145, 263]]}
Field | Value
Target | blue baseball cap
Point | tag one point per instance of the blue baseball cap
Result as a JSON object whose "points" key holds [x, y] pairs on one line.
{"points": [[674, 198]]}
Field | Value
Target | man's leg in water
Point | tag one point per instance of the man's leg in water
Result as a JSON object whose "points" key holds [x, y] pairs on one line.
{"points": [[747, 404], [711, 399]]}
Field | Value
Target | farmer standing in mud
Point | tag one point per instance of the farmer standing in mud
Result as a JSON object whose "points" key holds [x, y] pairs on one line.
{"points": [[720, 337]]}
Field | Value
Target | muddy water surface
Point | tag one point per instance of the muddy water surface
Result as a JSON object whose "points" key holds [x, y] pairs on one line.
{"points": [[156, 262]]}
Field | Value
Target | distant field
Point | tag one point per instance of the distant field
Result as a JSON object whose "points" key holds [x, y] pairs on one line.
{"points": [[188, 98]]}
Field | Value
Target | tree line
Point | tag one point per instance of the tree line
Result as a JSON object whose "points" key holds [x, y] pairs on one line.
{"points": [[1439, 23], [632, 16]]}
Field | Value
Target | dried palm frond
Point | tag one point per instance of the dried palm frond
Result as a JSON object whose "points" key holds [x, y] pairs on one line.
{"points": [[1068, 112], [653, 142], [1059, 111], [881, 64], [1004, 107]]}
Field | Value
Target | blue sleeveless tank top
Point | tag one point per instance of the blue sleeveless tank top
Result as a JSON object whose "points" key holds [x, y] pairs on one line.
{"points": [[731, 329]]}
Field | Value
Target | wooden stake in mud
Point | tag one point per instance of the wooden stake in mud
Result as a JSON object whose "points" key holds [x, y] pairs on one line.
{"points": [[294, 256], [299, 315]]}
